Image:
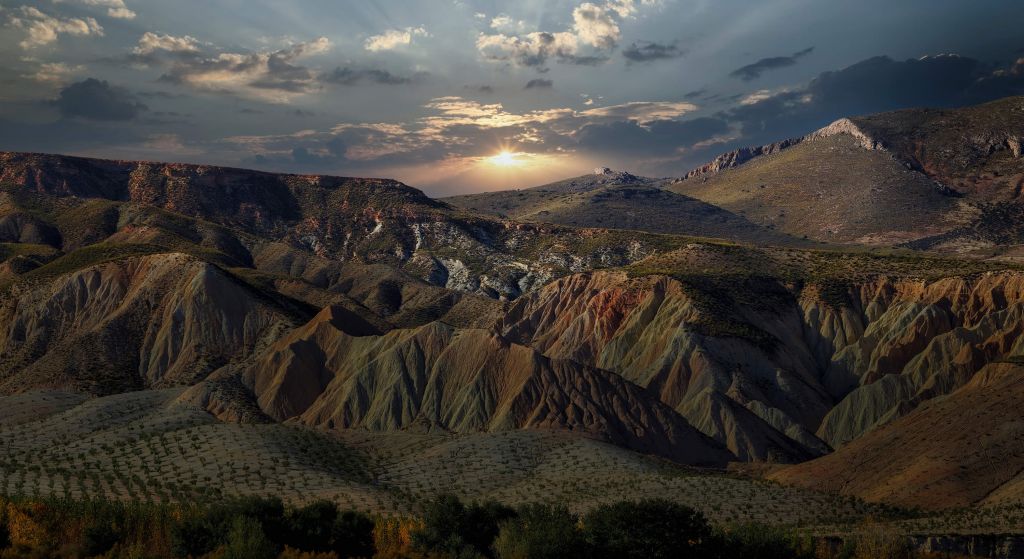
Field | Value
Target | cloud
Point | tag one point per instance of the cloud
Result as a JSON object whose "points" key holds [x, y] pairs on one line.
{"points": [[150, 43], [874, 85], [55, 72], [642, 111], [657, 139], [754, 71], [42, 29], [506, 24], [272, 76], [464, 129], [596, 26], [115, 8], [355, 76], [645, 51], [539, 83], [97, 100], [394, 38], [593, 34]]}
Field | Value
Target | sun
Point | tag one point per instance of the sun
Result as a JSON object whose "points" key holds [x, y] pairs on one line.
{"points": [[506, 158]]}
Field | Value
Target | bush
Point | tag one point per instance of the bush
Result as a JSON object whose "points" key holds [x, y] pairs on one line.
{"points": [[99, 537], [452, 528], [246, 540], [194, 536], [878, 542], [541, 532], [649, 529], [755, 541], [310, 527], [352, 535]]}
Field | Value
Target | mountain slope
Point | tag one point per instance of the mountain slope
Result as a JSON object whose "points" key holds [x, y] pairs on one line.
{"points": [[946, 180], [618, 201], [953, 451], [335, 372], [780, 354], [134, 322]]}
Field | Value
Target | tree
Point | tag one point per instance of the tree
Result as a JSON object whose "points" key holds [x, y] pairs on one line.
{"points": [[649, 529], [194, 536], [246, 540], [541, 532], [452, 528], [310, 527], [352, 535]]}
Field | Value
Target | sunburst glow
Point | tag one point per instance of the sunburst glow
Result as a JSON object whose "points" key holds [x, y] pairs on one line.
{"points": [[506, 159]]}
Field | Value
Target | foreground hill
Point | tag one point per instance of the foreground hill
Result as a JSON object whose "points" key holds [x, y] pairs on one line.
{"points": [[958, 450], [932, 179]]}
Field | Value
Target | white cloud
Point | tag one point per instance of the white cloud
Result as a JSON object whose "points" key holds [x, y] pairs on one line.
{"points": [[642, 112], [55, 72], [595, 25], [42, 29], [594, 32], [115, 8], [268, 75], [506, 24], [152, 42], [394, 38]]}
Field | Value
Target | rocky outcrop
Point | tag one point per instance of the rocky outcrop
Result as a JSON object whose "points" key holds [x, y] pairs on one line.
{"points": [[738, 157], [459, 380]]}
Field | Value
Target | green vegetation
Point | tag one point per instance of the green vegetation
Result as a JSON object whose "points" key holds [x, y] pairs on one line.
{"points": [[265, 528], [90, 256]]}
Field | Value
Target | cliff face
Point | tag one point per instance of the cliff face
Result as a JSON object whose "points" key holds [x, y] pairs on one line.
{"points": [[830, 373]]}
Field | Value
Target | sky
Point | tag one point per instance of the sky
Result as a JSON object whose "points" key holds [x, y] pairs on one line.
{"points": [[461, 96]]}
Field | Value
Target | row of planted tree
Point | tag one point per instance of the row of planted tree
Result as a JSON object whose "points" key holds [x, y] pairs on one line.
{"points": [[261, 528]]}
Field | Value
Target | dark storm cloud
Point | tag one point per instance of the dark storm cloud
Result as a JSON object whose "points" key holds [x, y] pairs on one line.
{"points": [[656, 138], [644, 51], [875, 85], [355, 76], [753, 71], [539, 83], [97, 100], [480, 88]]}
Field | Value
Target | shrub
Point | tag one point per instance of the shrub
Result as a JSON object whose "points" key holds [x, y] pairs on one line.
{"points": [[194, 536], [246, 540], [452, 528], [310, 527], [878, 542], [352, 535], [756, 541], [541, 532], [649, 529], [99, 537]]}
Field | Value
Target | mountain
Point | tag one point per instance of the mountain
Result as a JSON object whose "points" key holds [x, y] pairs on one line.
{"points": [[618, 200], [945, 180], [361, 310]]}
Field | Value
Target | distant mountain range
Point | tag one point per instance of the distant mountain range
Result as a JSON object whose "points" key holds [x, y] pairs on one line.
{"points": [[845, 299]]}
